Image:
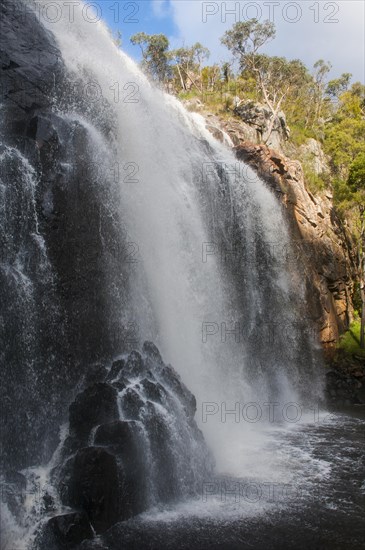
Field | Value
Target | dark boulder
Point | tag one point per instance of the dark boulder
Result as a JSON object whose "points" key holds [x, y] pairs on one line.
{"points": [[65, 531], [115, 370], [96, 405], [121, 440], [154, 391], [94, 374], [170, 377], [132, 404], [135, 366], [120, 385], [342, 388], [152, 353], [118, 435], [90, 482], [95, 544], [155, 452]]}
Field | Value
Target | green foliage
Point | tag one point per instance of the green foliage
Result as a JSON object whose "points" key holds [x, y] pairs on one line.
{"points": [[188, 70], [246, 38], [338, 86], [344, 135], [350, 340], [314, 182], [356, 180], [342, 196], [299, 134], [280, 83], [356, 299], [315, 107], [154, 50]]}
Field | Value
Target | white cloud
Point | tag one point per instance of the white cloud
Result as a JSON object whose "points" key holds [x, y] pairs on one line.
{"points": [[161, 8], [333, 31]]}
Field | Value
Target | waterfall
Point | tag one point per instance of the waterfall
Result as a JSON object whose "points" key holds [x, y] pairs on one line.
{"points": [[186, 204], [190, 250]]}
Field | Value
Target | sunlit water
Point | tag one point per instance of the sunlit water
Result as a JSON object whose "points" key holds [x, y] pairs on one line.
{"points": [[181, 196]]}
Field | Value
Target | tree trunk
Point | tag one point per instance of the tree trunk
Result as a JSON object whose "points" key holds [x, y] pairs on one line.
{"points": [[362, 276], [362, 326], [181, 78], [272, 121], [191, 79]]}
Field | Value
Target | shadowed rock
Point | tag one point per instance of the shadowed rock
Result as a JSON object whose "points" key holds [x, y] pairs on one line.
{"points": [[95, 405], [65, 531], [90, 482]]}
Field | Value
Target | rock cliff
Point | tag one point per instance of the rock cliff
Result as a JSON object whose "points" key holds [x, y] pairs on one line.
{"points": [[325, 251], [59, 240]]}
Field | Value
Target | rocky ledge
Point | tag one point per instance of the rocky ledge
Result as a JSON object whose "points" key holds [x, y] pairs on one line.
{"points": [[324, 249]]}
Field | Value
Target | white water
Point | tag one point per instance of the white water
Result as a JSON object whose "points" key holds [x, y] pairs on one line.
{"points": [[170, 209], [168, 212]]}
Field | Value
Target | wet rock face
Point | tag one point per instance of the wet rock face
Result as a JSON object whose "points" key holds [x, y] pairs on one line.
{"points": [[132, 442], [345, 380], [90, 482], [321, 244], [95, 405], [65, 531], [30, 335], [59, 220], [31, 66], [119, 438]]}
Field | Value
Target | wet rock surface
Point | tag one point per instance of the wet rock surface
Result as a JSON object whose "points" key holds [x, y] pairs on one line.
{"points": [[345, 380], [132, 441], [90, 482], [321, 246], [97, 404], [65, 531], [59, 210]]}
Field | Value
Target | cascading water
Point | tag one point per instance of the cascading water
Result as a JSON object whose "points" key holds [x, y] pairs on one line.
{"points": [[185, 201], [186, 248]]}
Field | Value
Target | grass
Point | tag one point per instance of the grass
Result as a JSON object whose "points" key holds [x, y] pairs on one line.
{"points": [[350, 340]]}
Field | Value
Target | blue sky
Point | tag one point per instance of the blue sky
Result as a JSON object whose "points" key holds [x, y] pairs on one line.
{"points": [[306, 29], [131, 17]]}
